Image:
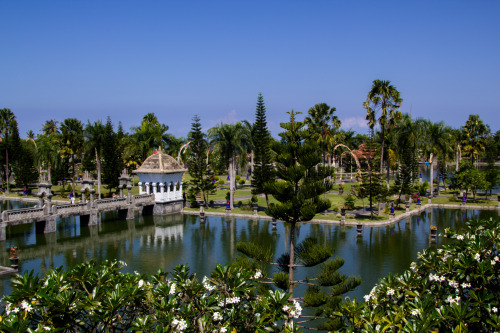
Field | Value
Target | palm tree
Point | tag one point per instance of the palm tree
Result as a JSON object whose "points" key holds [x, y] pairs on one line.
{"points": [[7, 124], [47, 152], [229, 140], [436, 145], [384, 98], [50, 127], [319, 123], [474, 134], [30, 135], [94, 135], [151, 134], [407, 134]]}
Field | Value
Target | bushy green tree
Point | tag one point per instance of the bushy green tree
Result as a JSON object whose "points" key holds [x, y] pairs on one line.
{"points": [[473, 137], [25, 171], [372, 187], [469, 178], [10, 141]]}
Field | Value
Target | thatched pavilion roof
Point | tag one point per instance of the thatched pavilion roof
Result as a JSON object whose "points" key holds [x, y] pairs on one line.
{"points": [[160, 163]]}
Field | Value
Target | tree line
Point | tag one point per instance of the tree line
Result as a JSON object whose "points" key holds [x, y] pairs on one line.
{"points": [[397, 142]]}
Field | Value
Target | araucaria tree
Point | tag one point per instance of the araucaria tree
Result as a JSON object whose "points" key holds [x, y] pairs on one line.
{"points": [[112, 165], [301, 179], [383, 98], [72, 143], [263, 169], [201, 182]]}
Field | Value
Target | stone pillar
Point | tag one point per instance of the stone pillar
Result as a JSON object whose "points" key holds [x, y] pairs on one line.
{"points": [[3, 236], [168, 191], [83, 197], [120, 188], [147, 188], [255, 208], [154, 187], [49, 203], [50, 224], [407, 206], [40, 199], [129, 194], [140, 187], [180, 189], [92, 203], [359, 229], [93, 218], [342, 215]]}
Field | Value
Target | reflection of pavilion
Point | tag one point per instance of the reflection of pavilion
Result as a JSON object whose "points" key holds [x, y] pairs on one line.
{"points": [[163, 235], [161, 175]]}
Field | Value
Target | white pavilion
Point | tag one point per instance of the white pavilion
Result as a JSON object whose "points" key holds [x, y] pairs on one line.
{"points": [[161, 175]]}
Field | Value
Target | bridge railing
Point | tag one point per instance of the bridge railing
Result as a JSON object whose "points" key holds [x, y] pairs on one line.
{"points": [[110, 203], [69, 208], [22, 214], [143, 199]]}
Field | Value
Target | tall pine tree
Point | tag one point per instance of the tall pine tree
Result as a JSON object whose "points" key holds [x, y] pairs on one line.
{"points": [[263, 170], [302, 178], [112, 164], [201, 178]]}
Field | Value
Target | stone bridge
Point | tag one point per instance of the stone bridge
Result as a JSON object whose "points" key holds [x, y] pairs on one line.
{"points": [[87, 210], [163, 229]]}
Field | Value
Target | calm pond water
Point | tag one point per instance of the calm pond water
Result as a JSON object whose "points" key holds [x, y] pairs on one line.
{"points": [[149, 243]]}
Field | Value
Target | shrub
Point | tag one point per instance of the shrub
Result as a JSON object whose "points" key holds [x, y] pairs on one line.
{"points": [[93, 297], [222, 182], [237, 178], [349, 202], [241, 182], [452, 289], [239, 203]]}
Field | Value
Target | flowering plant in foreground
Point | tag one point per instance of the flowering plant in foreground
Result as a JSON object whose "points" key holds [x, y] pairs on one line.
{"points": [[92, 297], [455, 288]]}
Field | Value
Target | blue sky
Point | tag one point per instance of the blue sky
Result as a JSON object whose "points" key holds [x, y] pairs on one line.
{"points": [[123, 59]]}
